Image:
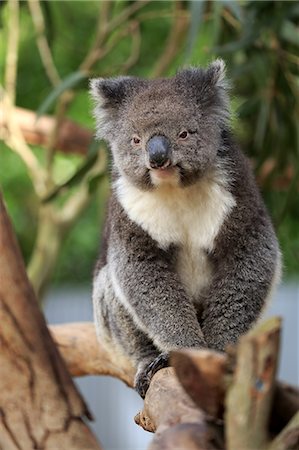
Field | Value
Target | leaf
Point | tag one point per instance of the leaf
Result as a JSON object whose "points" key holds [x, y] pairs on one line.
{"points": [[262, 122], [235, 8], [74, 179], [289, 32], [94, 181], [67, 83], [93, 147]]}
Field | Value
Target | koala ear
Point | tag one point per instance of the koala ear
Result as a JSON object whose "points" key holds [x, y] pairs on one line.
{"points": [[112, 92], [216, 73], [201, 79]]}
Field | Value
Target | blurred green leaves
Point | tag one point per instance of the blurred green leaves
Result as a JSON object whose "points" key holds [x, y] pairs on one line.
{"points": [[68, 82], [259, 41]]}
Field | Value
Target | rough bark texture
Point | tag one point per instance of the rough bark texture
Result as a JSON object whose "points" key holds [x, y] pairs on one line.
{"points": [[80, 349], [249, 397], [202, 375], [40, 407], [172, 415], [205, 376]]}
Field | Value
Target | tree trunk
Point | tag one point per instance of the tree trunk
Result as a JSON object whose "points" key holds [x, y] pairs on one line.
{"points": [[40, 407]]}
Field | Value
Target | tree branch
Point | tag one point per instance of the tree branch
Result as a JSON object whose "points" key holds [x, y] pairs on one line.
{"points": [[14, 138], [83, 355], [12, 50], [71, 136], [205, 376], [42, 43]]}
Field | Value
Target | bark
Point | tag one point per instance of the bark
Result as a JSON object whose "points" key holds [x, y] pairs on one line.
{"points": [[249, 398], [39, 406], [71, 137], [80, 349], [202, 375], [175, 419], [193, 420]]}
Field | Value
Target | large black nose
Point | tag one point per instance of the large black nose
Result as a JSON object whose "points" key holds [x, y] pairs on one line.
{"points": [[159, 151]]}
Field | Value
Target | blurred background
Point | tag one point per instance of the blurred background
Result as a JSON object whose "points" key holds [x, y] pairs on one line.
{"points": [[55, 177]]}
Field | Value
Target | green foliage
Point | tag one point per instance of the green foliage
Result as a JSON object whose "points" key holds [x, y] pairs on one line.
{"points": [[258, 40]]}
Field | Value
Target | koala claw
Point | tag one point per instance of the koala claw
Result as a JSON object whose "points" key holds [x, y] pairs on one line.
{"points": [[144, 376]]}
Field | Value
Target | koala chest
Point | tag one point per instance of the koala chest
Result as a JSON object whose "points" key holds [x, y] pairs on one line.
{"points": [[189, 218]]}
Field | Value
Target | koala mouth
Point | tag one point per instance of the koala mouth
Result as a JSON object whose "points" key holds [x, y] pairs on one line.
{"points": [[165, 174], [164, 170]]}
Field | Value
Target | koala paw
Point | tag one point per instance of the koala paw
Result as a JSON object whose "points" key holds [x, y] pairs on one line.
{"points": [[147, 371]]}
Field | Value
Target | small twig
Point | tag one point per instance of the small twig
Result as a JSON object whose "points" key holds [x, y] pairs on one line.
{"points": [[231, 19], [101, 34], [14, 137], [11, 62], [135, 48], [126, 14], [176, 34], [42, 43], [74, 206], [53, 135]]}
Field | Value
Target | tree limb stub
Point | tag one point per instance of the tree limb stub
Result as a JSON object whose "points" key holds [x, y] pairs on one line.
{"points": [[206, 375], [39, 406], [249, 398], [176, 420], [202, 374]]}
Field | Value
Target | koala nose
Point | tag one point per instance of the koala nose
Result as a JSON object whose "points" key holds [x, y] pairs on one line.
{"points": [[159, 151]]}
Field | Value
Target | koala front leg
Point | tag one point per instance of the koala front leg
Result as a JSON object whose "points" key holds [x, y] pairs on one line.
{"points": [[238, 293], [156, 299], [145, 281]]}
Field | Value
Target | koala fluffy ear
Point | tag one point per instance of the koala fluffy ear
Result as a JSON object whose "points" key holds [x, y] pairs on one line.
{"points": [[216, 73], [201, 79], [208, 87], [112, 92]]}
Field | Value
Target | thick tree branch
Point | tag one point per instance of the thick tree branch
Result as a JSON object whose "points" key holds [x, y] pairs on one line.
{"points": [[205, 376], [83, 355], [39, 406], [71, 137]]}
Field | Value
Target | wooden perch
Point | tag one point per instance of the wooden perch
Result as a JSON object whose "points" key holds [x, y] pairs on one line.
{"points": [[71, 137], [193, 421], [78, 345], [39, 405], [170, 412], [202, 375], [249, 397]]}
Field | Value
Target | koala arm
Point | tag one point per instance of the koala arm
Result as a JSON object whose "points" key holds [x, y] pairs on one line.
{"points": [[247, 264], [145, 282]]}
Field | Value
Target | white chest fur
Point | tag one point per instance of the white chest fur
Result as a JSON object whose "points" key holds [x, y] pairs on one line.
{"points": [[189, 217]]}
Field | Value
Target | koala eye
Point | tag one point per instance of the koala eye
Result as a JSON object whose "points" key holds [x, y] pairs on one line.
{"points": [[183, 134], [135, 140]]}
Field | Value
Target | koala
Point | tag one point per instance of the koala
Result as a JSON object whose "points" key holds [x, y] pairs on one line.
{"points": [[189, 254]]}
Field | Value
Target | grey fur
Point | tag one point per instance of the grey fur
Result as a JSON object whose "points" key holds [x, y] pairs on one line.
{"points": [[141, 305]]}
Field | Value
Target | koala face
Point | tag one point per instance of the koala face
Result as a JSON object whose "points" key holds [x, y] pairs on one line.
{"points": [[166, 130]]}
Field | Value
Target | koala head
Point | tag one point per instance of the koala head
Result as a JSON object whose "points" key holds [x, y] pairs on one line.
{"points": [[166, 130]]}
